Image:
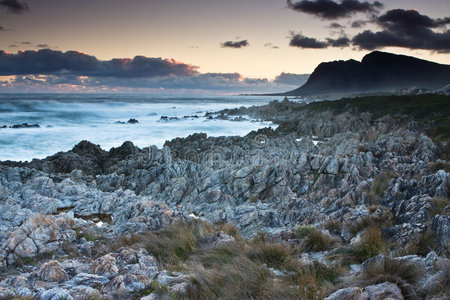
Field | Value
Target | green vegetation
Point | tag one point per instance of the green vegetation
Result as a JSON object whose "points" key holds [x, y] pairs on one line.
{"points": [[302, 231]]}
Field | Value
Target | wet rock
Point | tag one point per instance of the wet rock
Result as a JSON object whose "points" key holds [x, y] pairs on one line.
{"points": [[132, 121], [24, 125]]}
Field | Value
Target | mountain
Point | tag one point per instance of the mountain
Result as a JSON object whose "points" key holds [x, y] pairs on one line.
{"points": [[377, 72]]}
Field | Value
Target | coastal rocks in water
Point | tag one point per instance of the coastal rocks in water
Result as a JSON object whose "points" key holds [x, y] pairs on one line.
{"points": [[25, 125], [130, 121], [39, 235]]}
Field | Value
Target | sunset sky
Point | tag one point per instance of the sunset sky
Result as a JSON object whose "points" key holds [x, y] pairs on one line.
{"points": [[211, 39]]}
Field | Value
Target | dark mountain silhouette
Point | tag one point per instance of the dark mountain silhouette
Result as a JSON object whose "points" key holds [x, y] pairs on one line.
{"points": [[377, 72]]}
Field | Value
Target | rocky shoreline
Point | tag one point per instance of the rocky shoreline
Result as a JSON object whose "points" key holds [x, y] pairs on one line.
{"points": [[348, 191]]}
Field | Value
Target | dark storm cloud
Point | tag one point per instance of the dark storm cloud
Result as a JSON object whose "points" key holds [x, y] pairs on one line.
{"points": [[14, 6], [328, 9], [236, 44], [359, 23], [340, 42], [407, 29], [47, 61], [301, 41]]}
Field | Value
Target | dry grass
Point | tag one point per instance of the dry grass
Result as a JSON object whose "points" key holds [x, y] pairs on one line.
{"points": [[408, 272], [316, 241], [316, 280], [370, 245]]}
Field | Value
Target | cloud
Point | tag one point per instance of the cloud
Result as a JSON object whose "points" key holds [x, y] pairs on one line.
{"points": [[235, 44], [14, 6], [47, 61], [2, 28], [336, 25], [301, 41], [331, 10], [340, 42], [270, 45], [41, 46], [407, 29], [359, 23], [291, 79]]}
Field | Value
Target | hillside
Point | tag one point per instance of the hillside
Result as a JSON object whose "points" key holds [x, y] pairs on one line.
{"points": [[377, 72]]}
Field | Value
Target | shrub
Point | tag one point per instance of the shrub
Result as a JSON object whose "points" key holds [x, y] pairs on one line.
{"points": [[439, 207], [394, 268], [379, 185], [316, 280], [316, 241], [239, 279], [370, 245], [302, 231], [333, 226], [274, 255], [444, 165]]}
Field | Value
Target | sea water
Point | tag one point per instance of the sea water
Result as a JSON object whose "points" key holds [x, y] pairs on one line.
{"points": [[67, 119]]}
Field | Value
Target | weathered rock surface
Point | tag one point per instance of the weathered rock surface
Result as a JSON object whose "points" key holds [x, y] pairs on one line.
{"points": [[316, 167]]}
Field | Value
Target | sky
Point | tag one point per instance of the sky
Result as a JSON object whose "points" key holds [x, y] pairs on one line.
{"points": [[232, 45]]}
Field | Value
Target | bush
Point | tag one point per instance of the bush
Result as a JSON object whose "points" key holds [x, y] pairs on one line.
{"points": [[333, 226], [379, 185], [274, 255], [316, 280], [388, 267], [302, 231], [370, 245], [440, 207], [316, 241]]}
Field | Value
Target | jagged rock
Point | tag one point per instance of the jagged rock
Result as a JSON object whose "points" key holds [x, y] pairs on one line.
{"points": [[56, 294], [440, 226], [85, 292], [385, 290], [38, 235], [352, 293], [90, 280], [105, 266], [124, 286], [216, 240], [52, 271]]}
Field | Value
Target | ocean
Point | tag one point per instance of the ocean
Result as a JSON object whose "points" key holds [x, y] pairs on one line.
{"points": [[67, 119]]}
